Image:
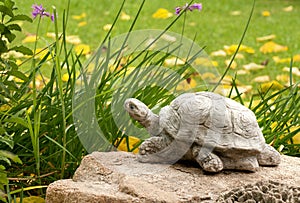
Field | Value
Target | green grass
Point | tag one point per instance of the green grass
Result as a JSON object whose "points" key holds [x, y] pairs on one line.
{"points": [[214, 27]]}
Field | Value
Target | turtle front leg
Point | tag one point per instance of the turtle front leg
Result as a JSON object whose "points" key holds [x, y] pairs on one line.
{"points": [[162, 150], [152, 145], [209, 161]]}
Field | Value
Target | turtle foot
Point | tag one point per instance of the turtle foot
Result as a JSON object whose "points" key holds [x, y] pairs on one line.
{"points": [[152, 145], [211, 163], [269, 157], [207, 160]]}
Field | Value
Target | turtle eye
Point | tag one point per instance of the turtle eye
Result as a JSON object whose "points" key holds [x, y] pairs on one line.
{"points": [[131, 106]]}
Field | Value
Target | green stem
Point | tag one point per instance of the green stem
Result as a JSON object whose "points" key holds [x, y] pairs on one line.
{"points": [[36, 110], [61, 95]]}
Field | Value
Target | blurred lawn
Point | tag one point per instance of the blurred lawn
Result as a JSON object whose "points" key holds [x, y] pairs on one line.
{"points": [[215, 26]]}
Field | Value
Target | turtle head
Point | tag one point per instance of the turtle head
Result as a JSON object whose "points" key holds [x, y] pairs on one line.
{"points": [[137, 110], [140, 112]]}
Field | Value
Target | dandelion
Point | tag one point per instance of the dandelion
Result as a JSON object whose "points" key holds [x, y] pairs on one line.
{"points": [[195, 6], [39, 10]]}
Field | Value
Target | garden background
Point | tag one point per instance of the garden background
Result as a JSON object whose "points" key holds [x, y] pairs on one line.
{"points": [[36, 97]]}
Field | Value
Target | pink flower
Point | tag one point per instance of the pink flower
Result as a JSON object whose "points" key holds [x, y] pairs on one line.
{"points": [[195, 6], [39, 10]]}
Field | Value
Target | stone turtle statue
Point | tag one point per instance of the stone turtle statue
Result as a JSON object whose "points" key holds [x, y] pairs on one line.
{"points": [[213, 130]]}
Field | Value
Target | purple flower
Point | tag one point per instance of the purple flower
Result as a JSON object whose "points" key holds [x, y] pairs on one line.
{"points": [[195, 6], [39, 10]]}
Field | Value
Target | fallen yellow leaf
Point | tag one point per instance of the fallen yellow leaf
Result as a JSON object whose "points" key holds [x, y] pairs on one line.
{"points": [[208, 75], [51, 35], [81, 24], [73, 39], [232, 49], [79, 17], [124, 16], [218, 53], [277, 59], [174, 61], [31, 199], [233, 64], [295, 70], [253, 103], [162, 13], [265, 38], [253, 66], [187, 84], [288, 8], [41, 53], [225, 90], [204, 61], [107, 27], [283, 78], [272, 47], [263, 78], [235, 13], [242, 72], [29, 38]]}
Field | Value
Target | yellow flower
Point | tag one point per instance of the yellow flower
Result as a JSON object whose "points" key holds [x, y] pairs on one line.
{"points": [[272, 47], [296, 138], [162, 13], [296, 58], [265, 13], [132, 143], [4, 107], [83, 49], [274, 85]]}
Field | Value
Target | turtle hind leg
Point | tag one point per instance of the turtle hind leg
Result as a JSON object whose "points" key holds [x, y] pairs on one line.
{"points": [[268, 157], [209, 161]]}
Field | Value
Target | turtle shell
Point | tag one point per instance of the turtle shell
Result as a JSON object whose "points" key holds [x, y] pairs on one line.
{"points": [[214, 121]]}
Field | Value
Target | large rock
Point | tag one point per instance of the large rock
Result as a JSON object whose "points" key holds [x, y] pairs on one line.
{"points": [[119, 177]]}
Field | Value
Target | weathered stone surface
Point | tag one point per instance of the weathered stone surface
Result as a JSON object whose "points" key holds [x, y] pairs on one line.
{"points": [[119, 177]]}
